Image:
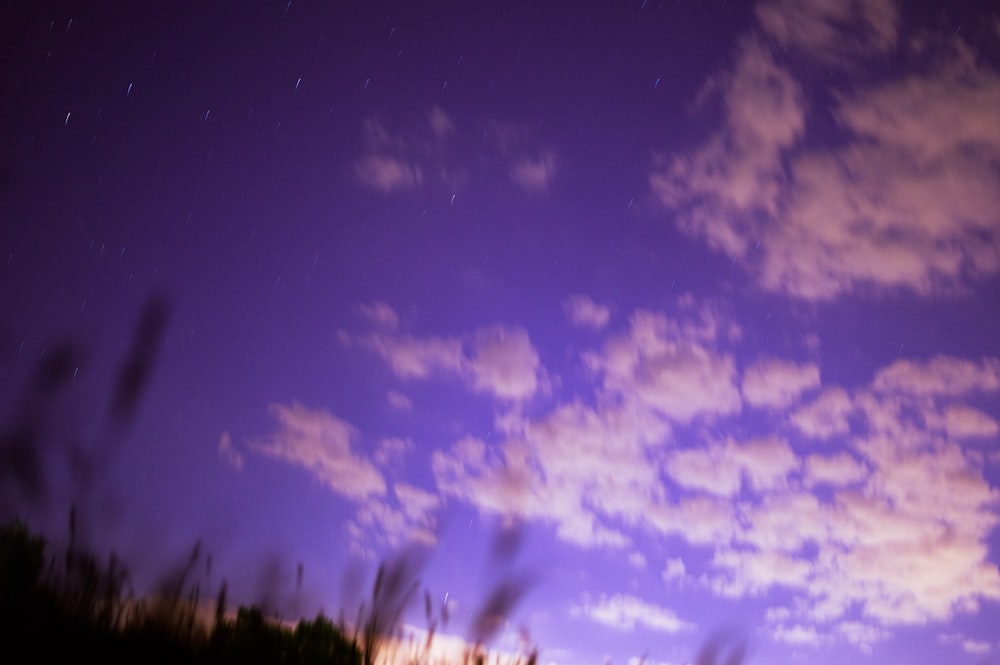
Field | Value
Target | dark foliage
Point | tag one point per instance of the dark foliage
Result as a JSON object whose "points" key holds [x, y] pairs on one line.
{"points": [[85, 611]]}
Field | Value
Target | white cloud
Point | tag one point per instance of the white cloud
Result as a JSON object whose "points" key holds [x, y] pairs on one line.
{"points": [[496, 360], [820, 27], [892, 529], [440, 122], [933, 116], [826, 416], [410, 522], [415, 357], [939, 376], [576, 468], [722, 189], [585, 313], [380, 314], [675, 569], [503, 363], [320, 442], [977, 647], [961, 421], [701, 520], [416, 502], [228, 452], [428, 153], [386, 173], [861, 634], [534, 173], [777, 383], [836, 470], [391, 450], [719, 469], [530, 165], [637, 560], [705, 469], [766, 462], [398, 400], [660, 364], [753, 571], [624, 613], [911, 200], [796, 634]]}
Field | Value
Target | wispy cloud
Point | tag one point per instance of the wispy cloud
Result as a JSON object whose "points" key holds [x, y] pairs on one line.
{"points": [[908, 201], [585, 313], [228, 452], [667, 366], [398, 400], [826, 416], [387, 174], [534, 173], [402, 154], [817, 27], [410, 519], [380, 314], [496, 360], [777, 383], [626, 612], [320, 442]]}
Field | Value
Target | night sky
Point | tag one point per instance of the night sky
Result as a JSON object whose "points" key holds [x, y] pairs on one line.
{"points": [[681, 315]]}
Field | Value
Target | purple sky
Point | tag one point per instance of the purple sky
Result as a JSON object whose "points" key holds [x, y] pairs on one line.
{"points": [[703, 296]]}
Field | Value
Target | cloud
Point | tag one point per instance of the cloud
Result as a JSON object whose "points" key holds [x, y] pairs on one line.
{"points": [[833, 32], [939, 376], [861, 634], [625, 612], [496, 360], [229, 453], [662, 363], [534, 173], [835, 470], [889, 526], [531, 165], [908, 200], [428, 152], [578, 468], [380, 314], [417, 358], [386, 173], [503, 363], [900, 529], [700, 520], [391, 450], [720, 468], [637, 560], [395, 161], [440, 122], [708, 470], [797, 634], [961, 421], [777, 383], [977, 647], [398, 400], [585, 313], [674, 570], [723, 189], [381, 522], [826, 416], [321, 443]]}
